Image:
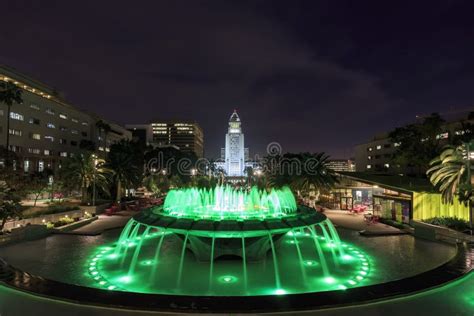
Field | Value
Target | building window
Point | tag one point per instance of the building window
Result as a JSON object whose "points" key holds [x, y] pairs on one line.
{"points": [[16, 116], [369, 157], [62, 141], [379, 147], [34, 106], [387, 165], [63, 154], [26, 165], [84, 124], [14, 132], [36, 136], [75, 120], [34, 121], [370, 149], [442, 135], [1, 112], [50, 111], [73, 143], [396, 144], [50, 138], [34, 151], [74, 131], [84, 134], [369, 166], [63, 116], [41, 166], [386, 146], [50, 125], [48, 152], [62, 128]]}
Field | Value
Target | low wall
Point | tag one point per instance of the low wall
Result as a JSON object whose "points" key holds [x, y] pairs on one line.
{"points": [[75, 225], [43, 219], [439, 233], [29, 232]]}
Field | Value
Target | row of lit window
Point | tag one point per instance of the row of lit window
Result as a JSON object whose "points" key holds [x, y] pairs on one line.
{"points": [[444, 135], [379, 156], [24, 86], [20, 117], [386, 165], [46, 152]]}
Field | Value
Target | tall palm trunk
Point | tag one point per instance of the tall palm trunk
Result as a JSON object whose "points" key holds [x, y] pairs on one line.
{"points": [[119, 191]]}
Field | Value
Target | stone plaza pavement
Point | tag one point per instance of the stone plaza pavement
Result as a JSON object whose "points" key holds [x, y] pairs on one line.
{"points": [[356, 222]]}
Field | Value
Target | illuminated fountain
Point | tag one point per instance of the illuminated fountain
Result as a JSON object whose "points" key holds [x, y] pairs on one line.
{"points": [[229, 242]]}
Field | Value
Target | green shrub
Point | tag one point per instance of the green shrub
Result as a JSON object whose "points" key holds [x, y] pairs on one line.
{"points": [[64, 221], [450, 222], [53, 209]]}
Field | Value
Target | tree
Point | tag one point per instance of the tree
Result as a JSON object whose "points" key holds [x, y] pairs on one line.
{"points": [[37, 185], [452, 172], [10, 206], [156, 182], [9, 94], [303, 172], [417, 144], [126, 162], [315, 176], [87, 145], [83, 171]]}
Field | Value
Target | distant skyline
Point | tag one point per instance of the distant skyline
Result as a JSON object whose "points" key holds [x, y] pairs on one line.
{"points": [[310, 75]]}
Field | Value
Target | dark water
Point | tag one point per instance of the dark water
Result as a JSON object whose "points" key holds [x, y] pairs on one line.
{"points": [[67, 258]]}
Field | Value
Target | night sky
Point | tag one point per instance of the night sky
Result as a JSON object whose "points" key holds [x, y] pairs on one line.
{"points": [[311, 75]]}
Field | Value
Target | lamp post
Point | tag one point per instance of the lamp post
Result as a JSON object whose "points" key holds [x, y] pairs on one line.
{"points": [[93, 179]]}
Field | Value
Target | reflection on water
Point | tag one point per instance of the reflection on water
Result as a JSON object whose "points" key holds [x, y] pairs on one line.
{"points": [[64, 257]]}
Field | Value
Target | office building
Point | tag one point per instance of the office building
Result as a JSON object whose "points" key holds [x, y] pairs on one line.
{"points": [[45, 128]]}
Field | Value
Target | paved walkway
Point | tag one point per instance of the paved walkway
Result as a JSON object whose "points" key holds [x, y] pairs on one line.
{"points": [[104, 223], [356, 222]]}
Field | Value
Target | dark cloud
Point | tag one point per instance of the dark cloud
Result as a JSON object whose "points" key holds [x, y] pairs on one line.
{"points": [[311, 75]]}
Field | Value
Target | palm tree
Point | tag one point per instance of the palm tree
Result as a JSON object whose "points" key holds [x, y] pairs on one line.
{"points": [[452, 172], [83, 171], [315, 175], [9, 94], [127, 166]]}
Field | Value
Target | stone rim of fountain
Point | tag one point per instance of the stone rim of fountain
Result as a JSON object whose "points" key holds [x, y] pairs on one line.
{"points": [[457, 267], [229, 228]]}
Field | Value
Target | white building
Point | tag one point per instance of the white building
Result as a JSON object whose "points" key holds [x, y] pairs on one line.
{"points": [[234, 160]]}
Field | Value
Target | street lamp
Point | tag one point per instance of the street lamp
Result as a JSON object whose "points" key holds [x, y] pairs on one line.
{"points": [[193, 172], [94, 178]]}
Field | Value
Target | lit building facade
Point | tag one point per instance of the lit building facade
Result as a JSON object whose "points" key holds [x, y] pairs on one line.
{"points": [[45, 129], [234, 161], [187, 136], [377, 154], [344, 165]]}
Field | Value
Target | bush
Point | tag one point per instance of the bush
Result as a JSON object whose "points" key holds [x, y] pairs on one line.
{"points": [[53, 209], [64, 221], [450, 222]]}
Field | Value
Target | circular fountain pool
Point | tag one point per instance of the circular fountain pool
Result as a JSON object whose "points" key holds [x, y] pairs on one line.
{"points": [[229, 242]]}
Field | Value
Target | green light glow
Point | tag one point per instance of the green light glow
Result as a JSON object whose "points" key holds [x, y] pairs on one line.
{"points": [[310, 263], [125, 279], [329, 280], [156, 259], [227, 279], [225, 202], [147, 262]]}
